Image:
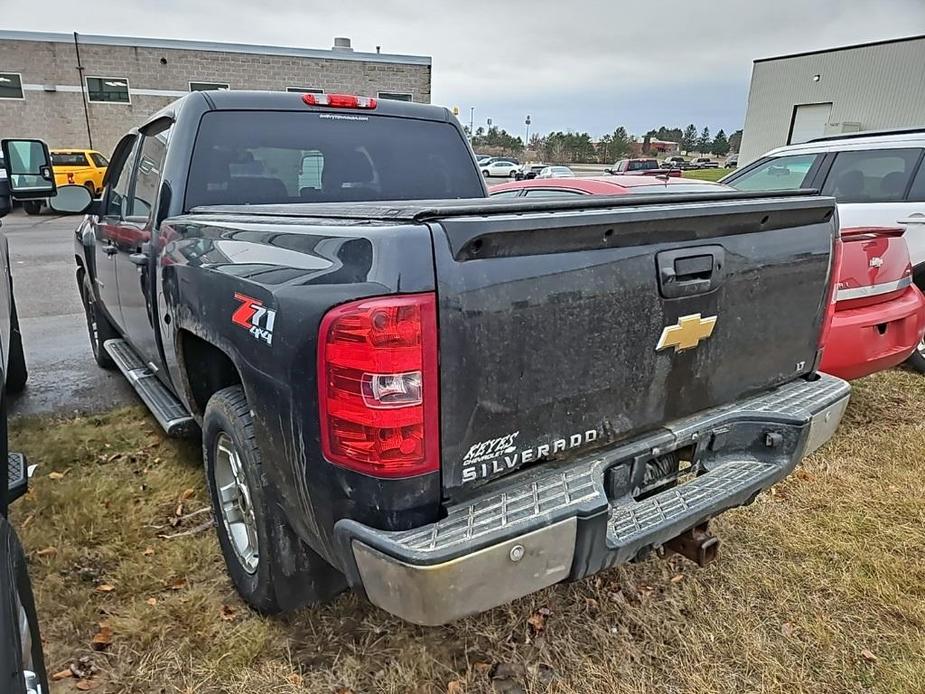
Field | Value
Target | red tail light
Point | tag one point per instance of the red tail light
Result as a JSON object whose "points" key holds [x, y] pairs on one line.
{"points": [[831, 292], [339, 100], [377, 386]]}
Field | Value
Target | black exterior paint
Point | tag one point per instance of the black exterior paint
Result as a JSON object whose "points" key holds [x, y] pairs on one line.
{"points": [[548, 312]]}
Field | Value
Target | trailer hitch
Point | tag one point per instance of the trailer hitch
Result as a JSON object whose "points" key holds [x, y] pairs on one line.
{"points": [[697, 544]]}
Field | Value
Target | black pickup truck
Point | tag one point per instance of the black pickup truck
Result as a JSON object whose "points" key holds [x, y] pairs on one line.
{"points": [[441, 400]]}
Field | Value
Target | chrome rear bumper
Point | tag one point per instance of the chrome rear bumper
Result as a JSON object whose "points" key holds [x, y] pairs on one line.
{"points": [[552, 524]]}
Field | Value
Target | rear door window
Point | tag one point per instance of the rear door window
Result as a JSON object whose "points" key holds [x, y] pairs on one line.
{"points": [[876, 175], [780, 173], [550, 193], [259, 157], [917, 192]]}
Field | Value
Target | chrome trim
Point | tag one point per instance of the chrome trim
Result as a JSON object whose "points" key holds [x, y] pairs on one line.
{"points": [[873, 290], [440, 593]]}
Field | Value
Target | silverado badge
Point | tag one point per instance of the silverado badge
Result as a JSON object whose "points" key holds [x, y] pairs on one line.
{"points": [[686, 333]]}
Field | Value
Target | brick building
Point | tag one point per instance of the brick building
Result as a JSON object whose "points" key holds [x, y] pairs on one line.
{"points": [[126, 79]]}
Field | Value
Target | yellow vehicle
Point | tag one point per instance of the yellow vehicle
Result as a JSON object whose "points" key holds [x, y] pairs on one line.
{"points": [[82, 167]]}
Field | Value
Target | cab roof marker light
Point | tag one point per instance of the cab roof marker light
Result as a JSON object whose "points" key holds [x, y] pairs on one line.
{"points": [[339, 100]]}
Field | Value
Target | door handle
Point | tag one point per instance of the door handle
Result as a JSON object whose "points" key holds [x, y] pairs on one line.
{"points": [[110, 250]]}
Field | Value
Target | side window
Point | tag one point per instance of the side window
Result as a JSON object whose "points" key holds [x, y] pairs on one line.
{"points": [[779, 173], [99, 160], [917, 192], [506, 194], [875, 175], [150, 169], [117, 200]]}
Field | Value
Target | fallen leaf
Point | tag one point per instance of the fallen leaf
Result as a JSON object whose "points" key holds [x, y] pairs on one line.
{"points": [[454, 687], [295, 679], [677, 579], [177, 584], [47, 552], [187, 493], [56, 475], [869, 656], [344, 690], [87, 685], [105, 588], [103, 638], [151, 601], [787, 629], [537, 620], [481, 667], [148, 552], [228, 613], [62, 675]]}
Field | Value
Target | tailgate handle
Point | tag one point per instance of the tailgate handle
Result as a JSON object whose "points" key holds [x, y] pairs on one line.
{"points": [[690, 271]]}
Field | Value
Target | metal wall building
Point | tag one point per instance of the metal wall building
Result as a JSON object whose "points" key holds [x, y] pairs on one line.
{"points": [[794, 98], [60, 86]]}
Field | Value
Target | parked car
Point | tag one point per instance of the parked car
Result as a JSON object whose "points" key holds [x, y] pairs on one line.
{"points": [[482, 159], [529, 171], [640, 167], [732, 161], [879, 316], [83, 167], [877, 178], [22, 666], [501, 167], [513, 160], [360, 428], [704, 163], [556, 172], [603, 185]]}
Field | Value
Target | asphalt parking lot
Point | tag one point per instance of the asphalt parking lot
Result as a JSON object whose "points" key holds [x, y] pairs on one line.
{"points": [[63, 378]]}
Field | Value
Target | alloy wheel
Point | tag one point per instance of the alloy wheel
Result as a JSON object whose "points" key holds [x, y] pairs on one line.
{"points": [[235, 502]]}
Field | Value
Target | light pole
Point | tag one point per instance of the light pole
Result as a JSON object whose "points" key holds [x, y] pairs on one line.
{"points": [[527, 136], [471, 122]]}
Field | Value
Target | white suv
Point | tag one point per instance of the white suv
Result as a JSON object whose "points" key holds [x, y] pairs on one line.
{"points": [[878, 179]]}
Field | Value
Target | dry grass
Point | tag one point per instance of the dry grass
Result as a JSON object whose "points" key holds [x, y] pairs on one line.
{"points": [[820, 588]]}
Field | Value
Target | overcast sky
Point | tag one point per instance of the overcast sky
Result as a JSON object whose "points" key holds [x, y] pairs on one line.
{"points": [[584, 65]]}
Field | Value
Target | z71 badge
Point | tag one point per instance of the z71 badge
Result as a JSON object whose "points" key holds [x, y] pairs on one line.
{"points": [[254, 317]]}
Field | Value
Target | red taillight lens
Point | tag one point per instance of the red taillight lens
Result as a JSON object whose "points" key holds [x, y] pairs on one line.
{"points": [[339, 100], [832, 292], [377, 386]]}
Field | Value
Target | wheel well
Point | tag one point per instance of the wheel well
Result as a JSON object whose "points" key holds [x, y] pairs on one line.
{"points": [[208, 369]]}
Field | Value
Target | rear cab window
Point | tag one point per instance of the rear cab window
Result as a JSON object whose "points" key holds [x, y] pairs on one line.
{"points": [[872, 175], [779, 173], [69, 159], [272, 157]]}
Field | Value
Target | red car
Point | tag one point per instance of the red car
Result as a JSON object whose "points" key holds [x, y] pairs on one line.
{"points": [[602, 185], [879, 316]]}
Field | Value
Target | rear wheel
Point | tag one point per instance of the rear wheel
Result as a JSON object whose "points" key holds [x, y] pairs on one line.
{"points": [[89, 185], [917, 359], [32, 207], [98, 325], [485, 173], [17, 374], [271, 568]]}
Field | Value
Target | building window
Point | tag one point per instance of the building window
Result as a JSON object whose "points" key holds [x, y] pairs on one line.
{"points": [[304, 90], [108, 90], [10, 85], [207, 86], [396, 96]]}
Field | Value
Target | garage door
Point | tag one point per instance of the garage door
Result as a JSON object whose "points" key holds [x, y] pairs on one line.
{"points": [[809, 121]]}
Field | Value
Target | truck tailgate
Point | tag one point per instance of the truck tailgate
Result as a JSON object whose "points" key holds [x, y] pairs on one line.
{"points": [[561, 330]]}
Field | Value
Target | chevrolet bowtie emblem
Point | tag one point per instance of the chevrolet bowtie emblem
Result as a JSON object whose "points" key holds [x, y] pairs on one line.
{"points": [[686, 333]]}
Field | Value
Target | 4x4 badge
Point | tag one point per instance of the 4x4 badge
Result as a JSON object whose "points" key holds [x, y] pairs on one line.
{"points": [[254, 317], [686, 333]]}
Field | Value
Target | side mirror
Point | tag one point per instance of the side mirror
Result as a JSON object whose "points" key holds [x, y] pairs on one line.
{"points": [[28, 169], [72, 199]]}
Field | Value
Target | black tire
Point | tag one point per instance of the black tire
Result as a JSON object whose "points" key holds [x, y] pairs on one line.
{"points": [[916, 360], [16, 374], [99, 328], [286, 574], [32, 207], [485, 173], [89, 185]]}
